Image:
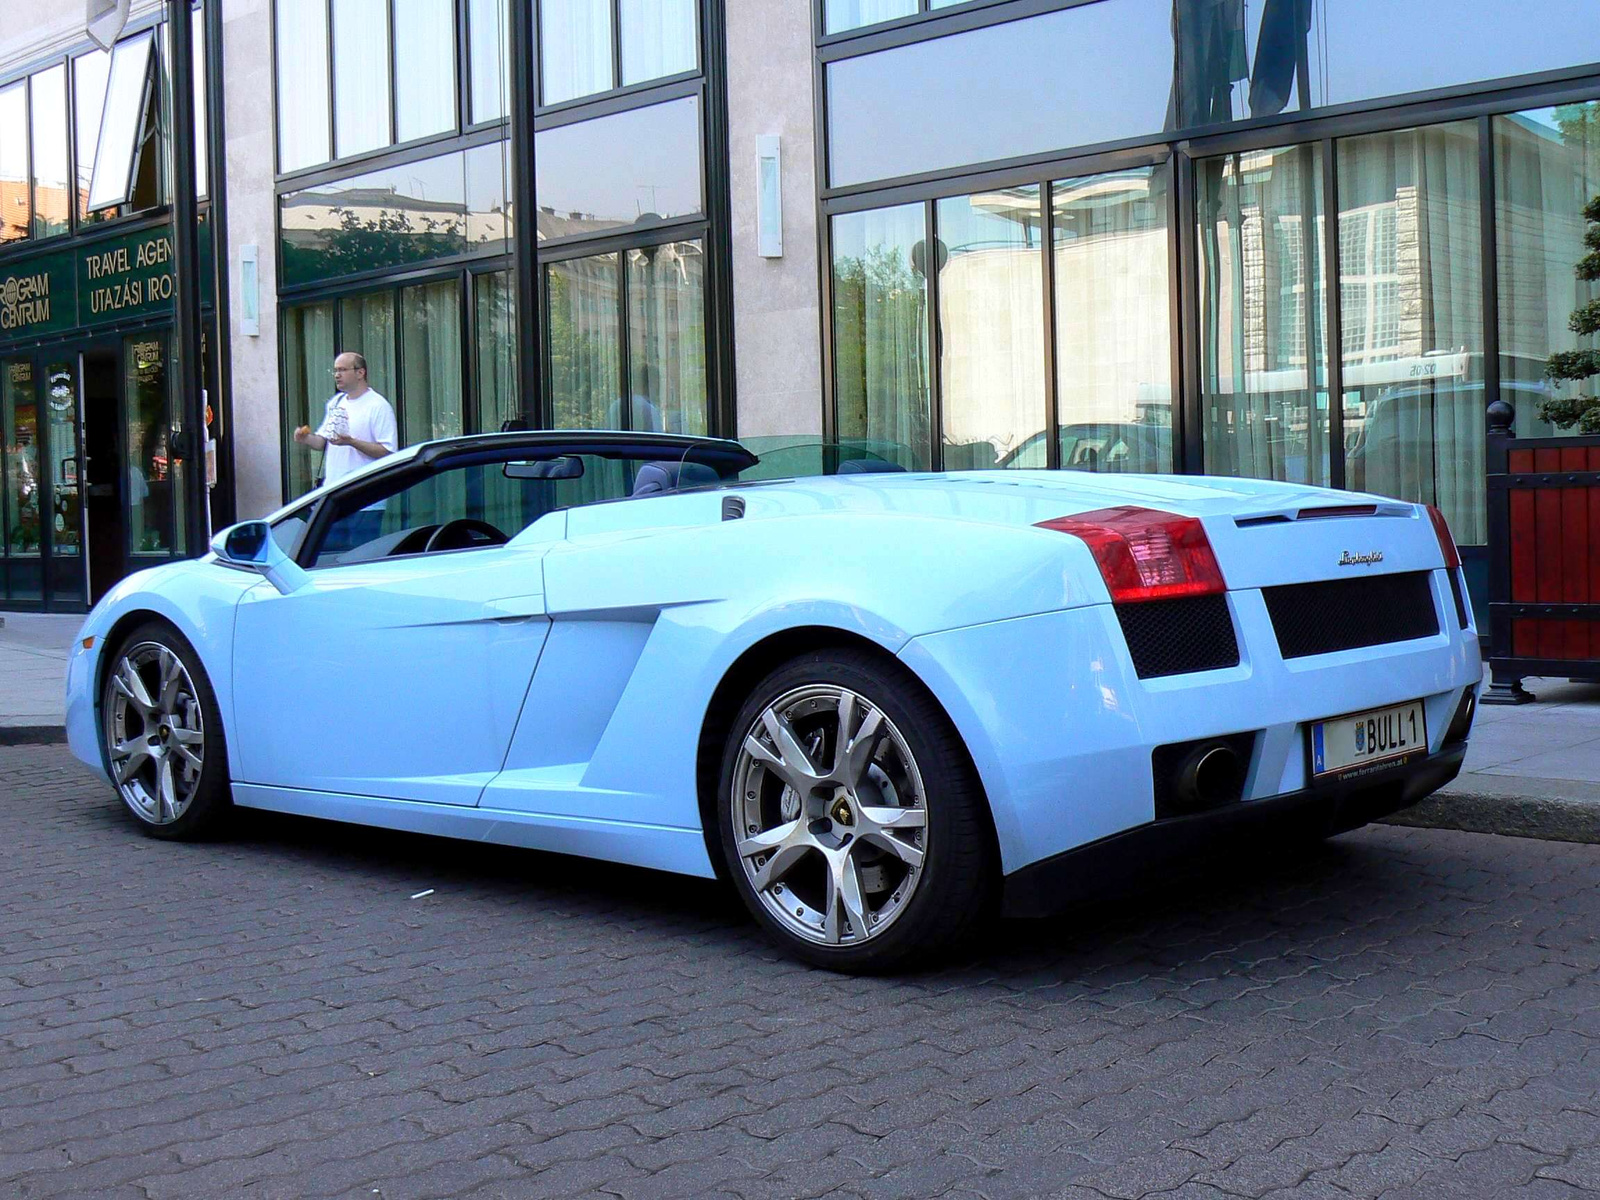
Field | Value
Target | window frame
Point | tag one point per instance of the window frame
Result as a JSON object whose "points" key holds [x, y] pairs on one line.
{"points": [[1482, 100], [617, 90], [154, 215], [462, 129], [148, 99]]}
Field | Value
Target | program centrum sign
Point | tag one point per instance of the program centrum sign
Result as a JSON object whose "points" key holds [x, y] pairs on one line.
{"points": [[105, 282]]}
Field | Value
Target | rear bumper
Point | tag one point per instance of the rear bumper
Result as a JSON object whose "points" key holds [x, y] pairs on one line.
{"points": [[1043, 887]]}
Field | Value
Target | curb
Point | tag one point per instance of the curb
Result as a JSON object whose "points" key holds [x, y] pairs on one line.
{"points": [[1534, 811], [33, 735]]}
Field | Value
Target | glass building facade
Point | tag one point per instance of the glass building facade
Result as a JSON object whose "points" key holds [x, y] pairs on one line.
{"points": [[398, 228], [90, 485], [1274, 241]]}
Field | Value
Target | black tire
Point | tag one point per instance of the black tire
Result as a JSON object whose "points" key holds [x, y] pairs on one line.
{"points": [[953, 887], [207, 796]]}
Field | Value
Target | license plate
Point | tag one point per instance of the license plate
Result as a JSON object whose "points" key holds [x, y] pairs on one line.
{"points": [[1349, 746]]}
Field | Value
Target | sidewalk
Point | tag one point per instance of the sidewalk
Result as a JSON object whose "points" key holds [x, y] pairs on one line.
{"points": [[1531, 771], [33, 668]]}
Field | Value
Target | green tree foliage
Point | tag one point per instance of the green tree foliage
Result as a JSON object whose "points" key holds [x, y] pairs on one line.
{"points": [[1579, 124]]}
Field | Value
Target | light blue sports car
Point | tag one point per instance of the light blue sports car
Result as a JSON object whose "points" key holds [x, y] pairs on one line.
{"points": [[883, 705]]}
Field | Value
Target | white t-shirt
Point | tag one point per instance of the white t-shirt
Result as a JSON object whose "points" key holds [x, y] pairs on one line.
{"points": [[368, 417]]}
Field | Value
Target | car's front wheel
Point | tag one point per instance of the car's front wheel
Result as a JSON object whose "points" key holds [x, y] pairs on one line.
{"points": [[162, 733], [852, 822]]}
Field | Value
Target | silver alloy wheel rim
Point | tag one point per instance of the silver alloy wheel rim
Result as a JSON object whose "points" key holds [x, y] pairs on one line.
{"points": [[155, 733], [830, 815]]}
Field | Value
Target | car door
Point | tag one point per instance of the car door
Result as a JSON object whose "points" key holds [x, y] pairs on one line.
{"points": [[399, 669]]}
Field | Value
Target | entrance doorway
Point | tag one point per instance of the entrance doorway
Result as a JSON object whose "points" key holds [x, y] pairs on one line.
{"points": [[89, 489], [104, 457]]}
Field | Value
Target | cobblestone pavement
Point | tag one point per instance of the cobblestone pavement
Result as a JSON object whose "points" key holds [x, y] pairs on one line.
{"points": [[1399, 1013]]}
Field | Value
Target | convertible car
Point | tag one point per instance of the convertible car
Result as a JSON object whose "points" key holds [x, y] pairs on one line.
{"points": [[883, 705]]}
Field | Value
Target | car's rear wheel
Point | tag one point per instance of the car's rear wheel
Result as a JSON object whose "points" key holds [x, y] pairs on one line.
{"points": [[852, 822], [162, 733]]}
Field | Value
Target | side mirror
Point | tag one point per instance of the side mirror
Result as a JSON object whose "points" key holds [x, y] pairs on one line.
{"points": [[250, 546]]}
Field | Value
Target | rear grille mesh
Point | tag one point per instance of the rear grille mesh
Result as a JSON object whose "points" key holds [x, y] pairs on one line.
{"points": [[1343, 614], [1175, 637]]}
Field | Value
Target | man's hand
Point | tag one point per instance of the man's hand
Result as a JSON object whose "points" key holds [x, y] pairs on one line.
{"points": [[302, 434], [305, 437]]}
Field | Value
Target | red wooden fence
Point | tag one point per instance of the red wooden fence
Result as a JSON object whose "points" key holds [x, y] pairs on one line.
{"points": [[1544, 560]]}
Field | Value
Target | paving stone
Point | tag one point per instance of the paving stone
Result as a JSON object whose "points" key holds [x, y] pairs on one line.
{"points": [[1399, 1012]]}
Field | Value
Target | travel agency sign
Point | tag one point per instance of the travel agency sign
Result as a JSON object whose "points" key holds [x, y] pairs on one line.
{"points": [[108, 281]]}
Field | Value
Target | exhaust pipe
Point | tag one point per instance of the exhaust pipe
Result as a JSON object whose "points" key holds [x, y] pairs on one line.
{"points": [[1213, 774]]}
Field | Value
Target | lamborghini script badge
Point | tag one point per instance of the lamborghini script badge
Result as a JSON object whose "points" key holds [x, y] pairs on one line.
{"points": [[1360, 560]]}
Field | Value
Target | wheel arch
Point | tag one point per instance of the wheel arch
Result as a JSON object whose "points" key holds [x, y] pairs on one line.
{"points": [[758, 660], [120, 627]]}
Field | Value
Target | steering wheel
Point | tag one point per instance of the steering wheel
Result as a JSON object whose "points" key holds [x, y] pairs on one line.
{"points": [[464, 533]]}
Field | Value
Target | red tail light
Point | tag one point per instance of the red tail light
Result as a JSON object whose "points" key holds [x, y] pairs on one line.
{"points": [[1452, 557], [1144, 554]]}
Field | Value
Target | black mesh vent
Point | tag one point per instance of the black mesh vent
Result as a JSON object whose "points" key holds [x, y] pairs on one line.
{"points": [[1341, 614], [1174, 637]]}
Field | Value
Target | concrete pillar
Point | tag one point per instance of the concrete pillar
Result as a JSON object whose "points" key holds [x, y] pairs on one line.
{"points": [[776, 316], [248, 92]]}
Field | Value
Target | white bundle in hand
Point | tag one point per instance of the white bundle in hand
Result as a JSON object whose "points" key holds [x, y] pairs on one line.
{"points": [[336, 423]]}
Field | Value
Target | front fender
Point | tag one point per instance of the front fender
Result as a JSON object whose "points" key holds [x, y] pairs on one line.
{"points": [[198, 598]]}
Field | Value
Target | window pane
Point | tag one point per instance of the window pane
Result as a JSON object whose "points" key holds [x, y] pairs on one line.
{"points": [[89, 72], [366, 327], [1260, 326], [1022, 87], [1113, 335], [430, 392], [19, 432], [658, 38], [840, 15], [307, 385], [574, 48], [880, 330], [302, 108], [487, 188], [629, 168], [991, 327], [491, 54], [360, 76], [585, 350], [496, 301], [52, 197], [1411, 278], [1242, 61], [197, 44], [667, 338], [406, 214], [424, 67], [150, 482], [14, 206], [1546, 168], [123, 121]]}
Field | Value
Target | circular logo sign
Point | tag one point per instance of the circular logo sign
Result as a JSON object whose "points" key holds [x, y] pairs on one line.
{"points": [[10, 291]]}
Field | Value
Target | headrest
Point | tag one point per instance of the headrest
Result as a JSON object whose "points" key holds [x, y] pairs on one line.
{"points": [[867, 466], [657, 477]]}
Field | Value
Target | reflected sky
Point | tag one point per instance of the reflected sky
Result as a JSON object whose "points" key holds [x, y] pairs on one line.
{"points": [[1024, 87], [617, 169]]}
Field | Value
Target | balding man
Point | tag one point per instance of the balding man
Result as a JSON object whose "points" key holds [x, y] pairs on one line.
{"points": [[358, 426]]}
